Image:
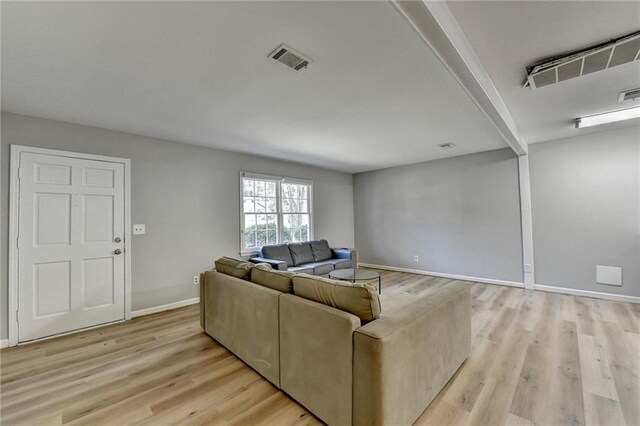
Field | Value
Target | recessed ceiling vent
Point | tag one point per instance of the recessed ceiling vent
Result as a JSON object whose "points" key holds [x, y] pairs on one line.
{"points": [[598, 57], [289, 57], [447, 145], [629, 95]]}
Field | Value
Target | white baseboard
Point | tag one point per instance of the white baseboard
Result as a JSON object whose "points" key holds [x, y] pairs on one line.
{"points": [[442, 275], [587, 293], [166, 307], [4, 343], [548, 288]]}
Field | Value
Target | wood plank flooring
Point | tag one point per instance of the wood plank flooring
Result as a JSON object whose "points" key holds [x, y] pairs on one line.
{"points": [[537, 358]]}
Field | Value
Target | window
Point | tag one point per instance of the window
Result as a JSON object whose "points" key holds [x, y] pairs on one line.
{"points": [[274, 210]]}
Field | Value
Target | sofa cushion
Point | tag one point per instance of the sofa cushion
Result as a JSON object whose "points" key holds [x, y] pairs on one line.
{"points": [[322, 268], [234, 267], [303, 269], [277, 252], [321, 250], [341, 263], [358, 299], [264, 275], [301, 253]]}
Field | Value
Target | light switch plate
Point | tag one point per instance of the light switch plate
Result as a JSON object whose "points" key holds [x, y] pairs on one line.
{"points": [[138, 229], [609, 275]]}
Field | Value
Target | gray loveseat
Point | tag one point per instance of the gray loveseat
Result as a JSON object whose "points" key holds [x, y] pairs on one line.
{"points": [[312, 257]]}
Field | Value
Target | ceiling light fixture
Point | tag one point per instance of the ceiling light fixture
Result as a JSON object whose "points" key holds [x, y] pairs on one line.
{"points": [[448, 145], [608, 117]]}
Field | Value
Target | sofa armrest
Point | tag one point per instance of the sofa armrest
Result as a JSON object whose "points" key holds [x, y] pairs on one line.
{"points": [[316, 357], [244, 317], [279, 265], [344, 253], [402, 360]]}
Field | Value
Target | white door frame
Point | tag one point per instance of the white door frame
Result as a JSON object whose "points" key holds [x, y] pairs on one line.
{"points": [[14, 197]]}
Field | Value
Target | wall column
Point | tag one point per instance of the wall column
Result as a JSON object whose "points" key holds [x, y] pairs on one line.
{"points": [[526, 222]]}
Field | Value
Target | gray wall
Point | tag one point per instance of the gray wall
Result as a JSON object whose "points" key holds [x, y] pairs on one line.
{"points": [[459, 215], [585, 195], [186, 195]]}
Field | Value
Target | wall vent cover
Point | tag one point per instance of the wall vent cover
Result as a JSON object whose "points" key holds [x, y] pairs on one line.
{"points": [[289, 57], [598, 57], [629, 95]]}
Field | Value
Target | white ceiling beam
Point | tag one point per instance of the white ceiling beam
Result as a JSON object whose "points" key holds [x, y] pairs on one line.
{"points": [[438, 28]]}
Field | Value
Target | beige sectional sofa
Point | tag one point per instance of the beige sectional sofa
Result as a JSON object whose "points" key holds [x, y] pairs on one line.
{"points": [[363, 364]]}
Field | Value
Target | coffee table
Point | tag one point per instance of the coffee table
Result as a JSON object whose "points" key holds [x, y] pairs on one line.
{"points": [[354, 275]]}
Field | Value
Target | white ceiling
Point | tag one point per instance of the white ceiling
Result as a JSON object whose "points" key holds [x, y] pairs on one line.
{"points": [[198, 72], [508, 36]]}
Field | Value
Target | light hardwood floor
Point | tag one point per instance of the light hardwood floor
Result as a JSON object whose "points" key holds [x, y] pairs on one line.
{"points": [[537, 358]]}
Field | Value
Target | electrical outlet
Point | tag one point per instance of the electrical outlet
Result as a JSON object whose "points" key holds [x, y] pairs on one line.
{"points": [[138, 229], [416, 258], [196, 280]]}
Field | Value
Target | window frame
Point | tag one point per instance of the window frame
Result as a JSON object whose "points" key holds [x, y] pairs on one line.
{"points": [[279, 180]]}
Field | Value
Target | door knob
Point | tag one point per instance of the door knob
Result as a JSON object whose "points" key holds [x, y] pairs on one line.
{"points": [[118, 251], [117, 240]]}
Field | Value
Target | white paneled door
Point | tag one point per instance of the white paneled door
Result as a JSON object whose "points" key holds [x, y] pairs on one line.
{"points": [[70, 244]]}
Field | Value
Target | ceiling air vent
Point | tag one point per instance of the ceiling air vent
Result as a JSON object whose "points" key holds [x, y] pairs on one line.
{"points": [[629, 95], [447, 145], [598, 57], [289, 57]]}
